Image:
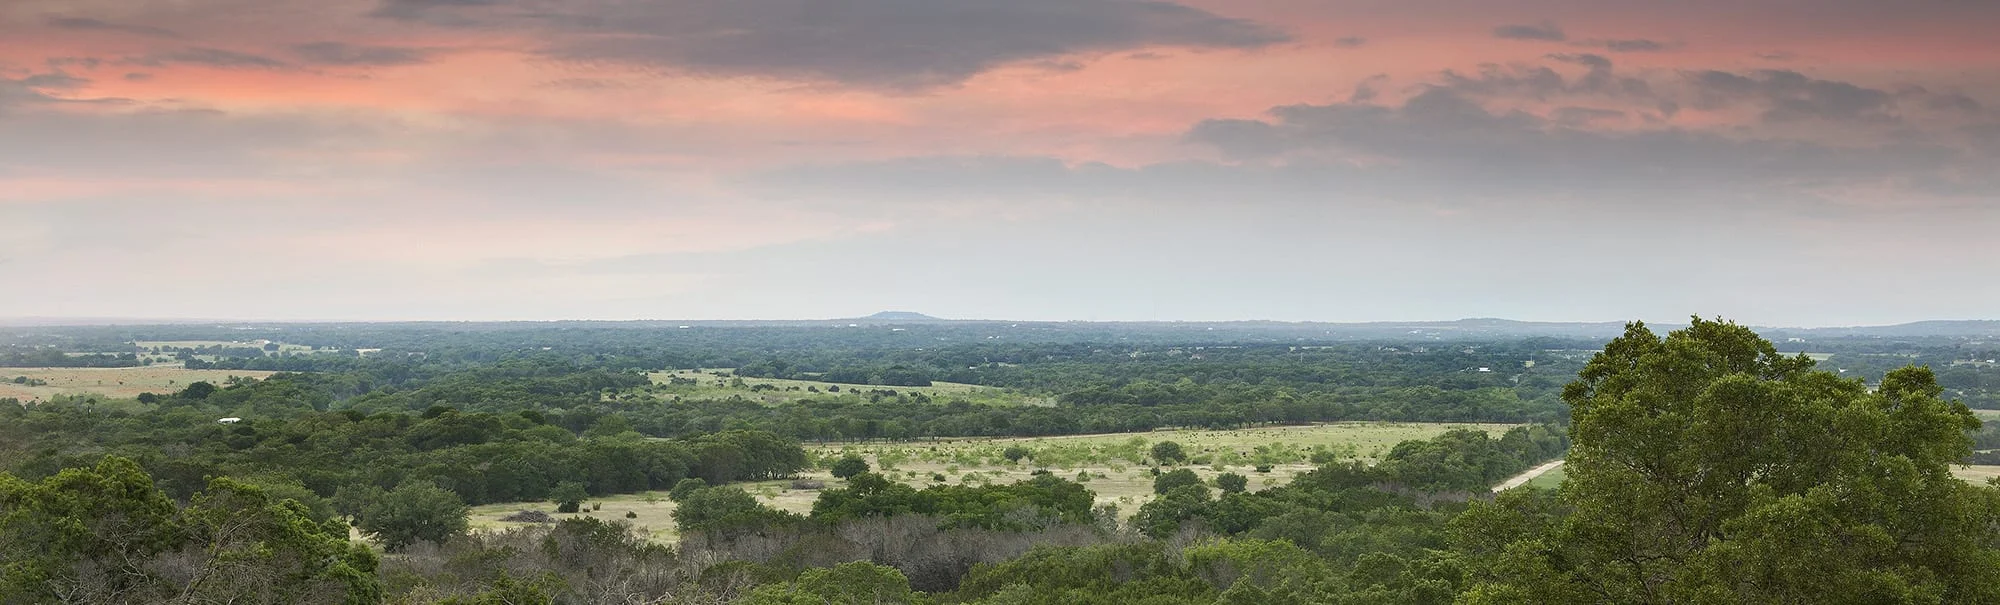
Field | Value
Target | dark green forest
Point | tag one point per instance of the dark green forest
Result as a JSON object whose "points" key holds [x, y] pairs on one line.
{"points": [[1703, 465]]}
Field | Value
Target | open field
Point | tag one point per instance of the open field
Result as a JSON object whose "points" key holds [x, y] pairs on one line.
{"points": [[1116, 466], [110, 382], [1113, 466], [1976, 473], [653, 511], [1532, 475], [781, 390], [1548, 480]]}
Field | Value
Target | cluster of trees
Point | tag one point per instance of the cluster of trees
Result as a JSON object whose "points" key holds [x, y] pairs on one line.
{"points": [[56, 358], [1453, 467], [105, 534], [1467, 460], [878, 414], [479, 457], [1707, 467]]}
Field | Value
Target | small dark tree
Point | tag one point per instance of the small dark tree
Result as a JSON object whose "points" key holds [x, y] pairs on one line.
{"points": [[414, 511], [686, 486], [1232, 483], [849, 466], [198, 390], [1168, 452], [1014, 453], [568, 496], [1176, 478]]}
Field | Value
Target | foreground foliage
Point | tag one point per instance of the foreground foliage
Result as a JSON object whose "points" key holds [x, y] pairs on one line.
{"points": [[1708, 468]]}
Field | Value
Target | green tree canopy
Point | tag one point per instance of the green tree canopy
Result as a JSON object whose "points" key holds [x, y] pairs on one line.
{"points": [[107, 535], [1176, 478], [849, 466], [1706, 467], [414, 511], [568, 496]]}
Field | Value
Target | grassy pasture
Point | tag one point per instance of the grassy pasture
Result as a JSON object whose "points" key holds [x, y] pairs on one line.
{"points": [[711, 386], [1548, 480], [117, 383], [1976, 473], [1115, 466], [654, 512]]}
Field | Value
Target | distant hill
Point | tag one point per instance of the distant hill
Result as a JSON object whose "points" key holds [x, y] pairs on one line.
{"points": [[901, 315], [1980, 328]]}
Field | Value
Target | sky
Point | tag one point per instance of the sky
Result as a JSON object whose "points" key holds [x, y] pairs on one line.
{"points": [[1777, 162]]}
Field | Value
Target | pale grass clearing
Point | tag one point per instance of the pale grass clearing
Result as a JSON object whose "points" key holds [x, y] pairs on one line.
{"points": [[1975, 473], [654, 512], [1549, 480], [1103, 463], [118, 383], [1117, 466]]}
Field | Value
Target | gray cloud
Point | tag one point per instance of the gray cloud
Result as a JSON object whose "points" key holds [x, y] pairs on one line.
{"points": [[906, 44], [412, 10], [34, 89], [1791, 96], [1545, 30], [54, 80], [1778, 96], [1632, 45], [15, 93], [1444, 133], [1542, 82], [89, 24], [1350, 42], [351, 55], [211, 57], [1576, 117]]}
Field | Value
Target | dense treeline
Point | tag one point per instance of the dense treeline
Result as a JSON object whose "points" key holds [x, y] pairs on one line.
{"points": [[882, 414], [480, 457], [271, 545], [56, 358]]}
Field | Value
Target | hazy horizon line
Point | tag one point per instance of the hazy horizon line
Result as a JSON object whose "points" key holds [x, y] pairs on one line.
{"points": [[61, 321]]}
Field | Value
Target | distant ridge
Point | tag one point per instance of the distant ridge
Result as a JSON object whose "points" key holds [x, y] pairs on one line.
{"points": [[901, 316]]}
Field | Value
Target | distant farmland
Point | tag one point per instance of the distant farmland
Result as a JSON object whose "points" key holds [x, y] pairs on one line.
{"points": [[120, 383]]}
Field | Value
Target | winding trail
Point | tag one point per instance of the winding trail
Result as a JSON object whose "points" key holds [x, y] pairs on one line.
{"points": [[1530, 475]]}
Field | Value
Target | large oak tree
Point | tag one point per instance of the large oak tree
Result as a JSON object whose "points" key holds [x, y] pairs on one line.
{"points": [[1708, 468]]}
